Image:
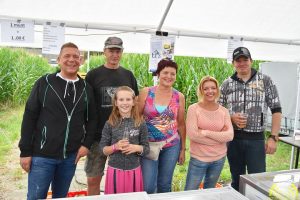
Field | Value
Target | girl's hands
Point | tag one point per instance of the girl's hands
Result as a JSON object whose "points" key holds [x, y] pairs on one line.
{"points": [[125, 147], [121, 144], [132, 148]]}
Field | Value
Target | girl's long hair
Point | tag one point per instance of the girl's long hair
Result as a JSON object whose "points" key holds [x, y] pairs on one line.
{"points": [[115, 117]]}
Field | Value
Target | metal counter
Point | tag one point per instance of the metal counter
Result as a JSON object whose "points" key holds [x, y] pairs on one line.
{"points": [[271, 185]]}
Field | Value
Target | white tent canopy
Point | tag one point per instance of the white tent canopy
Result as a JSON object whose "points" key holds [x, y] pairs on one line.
{"points": [[270, 28]]}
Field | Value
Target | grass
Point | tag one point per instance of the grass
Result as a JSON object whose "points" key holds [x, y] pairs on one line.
{"points": [[10, 122]]}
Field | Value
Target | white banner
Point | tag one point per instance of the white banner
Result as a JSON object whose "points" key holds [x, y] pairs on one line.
{"points": [[160, 47], [233, 43], [17, 31], [53, 38]]}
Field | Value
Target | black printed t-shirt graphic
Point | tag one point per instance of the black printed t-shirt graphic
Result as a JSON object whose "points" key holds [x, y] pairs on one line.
{"points": [[104, 82]]}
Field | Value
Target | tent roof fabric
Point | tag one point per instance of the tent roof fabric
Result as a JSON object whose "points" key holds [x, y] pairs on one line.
{"points": [[270, 28]]}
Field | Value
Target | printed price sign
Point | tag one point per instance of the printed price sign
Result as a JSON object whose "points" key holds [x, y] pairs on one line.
{"points": [[160, 47], [53, 38], [233, 43], [17, 31]]}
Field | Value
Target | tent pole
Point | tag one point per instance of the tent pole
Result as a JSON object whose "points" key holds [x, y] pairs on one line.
{"points": [[296, 122], [155, 79], [165, 15], [88, 64]]}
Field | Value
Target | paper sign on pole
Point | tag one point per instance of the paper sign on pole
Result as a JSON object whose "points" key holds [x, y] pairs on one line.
{"points": [[17, 31], [160, 47], [53, 38], [233, 43]]}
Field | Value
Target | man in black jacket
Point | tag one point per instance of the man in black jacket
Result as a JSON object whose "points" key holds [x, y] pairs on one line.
{"points": [[58, 127]]}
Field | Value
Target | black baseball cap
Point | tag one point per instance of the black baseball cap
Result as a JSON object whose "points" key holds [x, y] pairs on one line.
{"points": [[241, 51]]}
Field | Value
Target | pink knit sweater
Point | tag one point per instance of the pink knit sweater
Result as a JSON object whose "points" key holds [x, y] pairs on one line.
{"points": [[209, 131]]}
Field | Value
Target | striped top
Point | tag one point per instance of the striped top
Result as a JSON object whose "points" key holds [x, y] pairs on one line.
{"points": [[161, 126], [209, 131]]}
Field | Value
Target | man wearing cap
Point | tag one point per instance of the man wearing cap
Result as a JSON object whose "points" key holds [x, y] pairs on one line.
{"points": [[104, 80], [248, 94]]}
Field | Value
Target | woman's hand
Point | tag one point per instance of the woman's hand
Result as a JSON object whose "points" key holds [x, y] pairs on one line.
{"points": [[225, 128], [181, 158]]}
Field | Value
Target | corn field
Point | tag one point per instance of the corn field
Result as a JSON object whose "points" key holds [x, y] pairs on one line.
{"points": [[18, 72], [190, 71]]}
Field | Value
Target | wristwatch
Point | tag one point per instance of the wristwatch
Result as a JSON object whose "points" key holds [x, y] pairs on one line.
{"points": [[274, 137]]}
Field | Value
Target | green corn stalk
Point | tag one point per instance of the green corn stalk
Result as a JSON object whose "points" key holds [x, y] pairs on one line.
{"points": [[18, 71]]}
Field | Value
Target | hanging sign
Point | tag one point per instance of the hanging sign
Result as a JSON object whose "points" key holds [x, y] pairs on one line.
{"points": [[17, 31], [53, 38], [160, 47], [233, 43]]}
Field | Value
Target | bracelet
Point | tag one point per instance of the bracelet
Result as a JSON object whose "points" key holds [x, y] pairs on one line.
{"points": [[274, 137], [114, 148]]}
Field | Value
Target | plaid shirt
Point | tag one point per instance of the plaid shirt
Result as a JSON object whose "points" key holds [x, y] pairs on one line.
{"points": [[253, 97]]}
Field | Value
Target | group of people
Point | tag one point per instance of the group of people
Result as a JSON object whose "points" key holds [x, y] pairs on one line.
{"points": [[106, 116]]}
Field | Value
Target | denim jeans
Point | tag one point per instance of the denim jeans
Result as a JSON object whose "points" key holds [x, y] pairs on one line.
{"points": [[244, 153], [158, 174], [44, 171], [198, 170]]}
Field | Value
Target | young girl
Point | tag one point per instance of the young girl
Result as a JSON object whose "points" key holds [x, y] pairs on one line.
{"points": [[124, 140]]}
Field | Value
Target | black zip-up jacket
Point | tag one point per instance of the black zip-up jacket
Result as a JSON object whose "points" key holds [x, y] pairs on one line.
{"points": [[54, 126]]}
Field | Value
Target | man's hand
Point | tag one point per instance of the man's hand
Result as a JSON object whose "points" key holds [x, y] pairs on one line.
{"points": [[82, 151], [239, 120], [270, 146], [25, 163]]}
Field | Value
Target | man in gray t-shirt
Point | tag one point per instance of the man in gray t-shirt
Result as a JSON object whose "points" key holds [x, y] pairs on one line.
{"points": [[104, 80]]}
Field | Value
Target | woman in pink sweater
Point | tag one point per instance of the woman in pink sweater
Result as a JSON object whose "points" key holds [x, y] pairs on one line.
{"points": [[209, 128]]}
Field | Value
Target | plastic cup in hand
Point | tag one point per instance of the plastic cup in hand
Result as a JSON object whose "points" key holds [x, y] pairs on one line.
{"points": [[126, 134], [125, 139], [245, 117]]}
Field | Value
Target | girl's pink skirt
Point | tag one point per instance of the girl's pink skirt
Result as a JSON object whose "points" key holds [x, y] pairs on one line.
{"points": [[123, 181]]}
